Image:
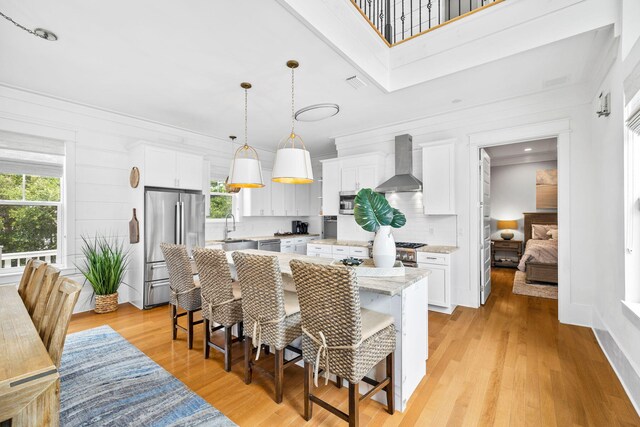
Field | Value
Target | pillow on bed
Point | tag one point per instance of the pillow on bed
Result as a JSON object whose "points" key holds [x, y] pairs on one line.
{"points": [[553, 234], [539, 231]]}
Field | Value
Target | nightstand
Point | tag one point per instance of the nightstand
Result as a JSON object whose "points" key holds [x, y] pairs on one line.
{"points": [[512, 247]]}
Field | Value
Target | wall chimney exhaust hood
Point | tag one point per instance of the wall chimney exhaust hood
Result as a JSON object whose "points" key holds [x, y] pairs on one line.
{"points": [[402, 181]]}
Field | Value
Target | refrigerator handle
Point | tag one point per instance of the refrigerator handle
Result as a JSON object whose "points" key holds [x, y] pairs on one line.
{"points": [[182, 230], [177, 224]]}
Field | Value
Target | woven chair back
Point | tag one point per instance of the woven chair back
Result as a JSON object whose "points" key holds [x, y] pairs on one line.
{"points": [[329, 301]]}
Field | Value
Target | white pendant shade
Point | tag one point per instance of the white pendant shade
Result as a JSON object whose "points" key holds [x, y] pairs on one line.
{"points": [[292, 166], [245, 173]]}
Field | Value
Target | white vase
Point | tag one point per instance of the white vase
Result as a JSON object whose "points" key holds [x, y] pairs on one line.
{"points": [[384, 248]]}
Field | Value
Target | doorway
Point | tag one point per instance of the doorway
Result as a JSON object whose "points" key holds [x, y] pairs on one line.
{"points": [[560, 130], [518, 196]]}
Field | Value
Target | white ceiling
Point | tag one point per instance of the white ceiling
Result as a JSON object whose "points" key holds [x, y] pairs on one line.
{"points": [[182, 63], [511, 154]]}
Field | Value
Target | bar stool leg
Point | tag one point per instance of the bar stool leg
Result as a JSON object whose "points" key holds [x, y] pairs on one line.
{"points": [[338, 381], [354, 404], [174, 322], [206, 338], [308, 404], [190, 329], [389, 387], [279, 374], [241, 331], [247, 359], [227, 348]]}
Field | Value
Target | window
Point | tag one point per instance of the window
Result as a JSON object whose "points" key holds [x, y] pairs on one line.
{"points": [[29, 218], [30, 208], [221, 202]]}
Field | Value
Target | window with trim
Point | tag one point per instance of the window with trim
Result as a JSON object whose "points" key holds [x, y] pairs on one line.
{"points": [[30, 208], [221, 202]]}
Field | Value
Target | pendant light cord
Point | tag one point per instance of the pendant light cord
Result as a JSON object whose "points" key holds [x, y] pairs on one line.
{"points": [[22, 27], [293, 118], [246, 138]]}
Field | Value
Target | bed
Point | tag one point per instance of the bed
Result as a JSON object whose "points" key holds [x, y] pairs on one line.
{"points": [[540, 258]]}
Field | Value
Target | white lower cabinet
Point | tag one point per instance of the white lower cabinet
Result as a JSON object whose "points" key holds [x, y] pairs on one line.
{"points": [[439, 280], [337, 251]]}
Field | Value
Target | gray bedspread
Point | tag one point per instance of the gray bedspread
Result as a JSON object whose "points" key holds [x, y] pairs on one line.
{"points": [[544, 251]]}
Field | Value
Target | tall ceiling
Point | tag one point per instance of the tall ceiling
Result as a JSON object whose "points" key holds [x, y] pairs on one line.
{"points": [[181, 63]]}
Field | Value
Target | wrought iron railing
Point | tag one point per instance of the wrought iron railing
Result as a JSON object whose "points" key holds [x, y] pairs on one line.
{"points": [[397, 21], [19, 259]]}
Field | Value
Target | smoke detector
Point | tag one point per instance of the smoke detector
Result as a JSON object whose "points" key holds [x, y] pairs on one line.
{"points": [[356, 82]]}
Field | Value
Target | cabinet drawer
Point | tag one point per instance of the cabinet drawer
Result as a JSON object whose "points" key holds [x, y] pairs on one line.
{"points": [[320, 249], [432, 258], [340, 250], [503, 244], [299, 240], [286, 242], [358, 252]]}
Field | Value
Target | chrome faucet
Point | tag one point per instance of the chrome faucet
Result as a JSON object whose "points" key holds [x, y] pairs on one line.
{"points": [[227, 230]]}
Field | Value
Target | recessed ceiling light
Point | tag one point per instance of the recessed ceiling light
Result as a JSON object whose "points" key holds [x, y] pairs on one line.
{"points": [[456, 101], [317, 112], [528, 149]]}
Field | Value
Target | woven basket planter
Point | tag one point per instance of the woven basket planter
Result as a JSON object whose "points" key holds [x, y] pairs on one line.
{"points": [[106, 303]]}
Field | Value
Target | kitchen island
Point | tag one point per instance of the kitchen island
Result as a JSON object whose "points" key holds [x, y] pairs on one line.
{"points": [[404, 298]]}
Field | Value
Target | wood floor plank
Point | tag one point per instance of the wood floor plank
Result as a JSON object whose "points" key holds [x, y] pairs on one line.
{"points": [[509, 363]]}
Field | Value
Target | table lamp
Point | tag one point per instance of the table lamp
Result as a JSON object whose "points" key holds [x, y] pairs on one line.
{"points": [[507, 225]]}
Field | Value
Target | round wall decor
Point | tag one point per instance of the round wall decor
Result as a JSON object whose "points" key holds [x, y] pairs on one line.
{"points": [[134, 177]]}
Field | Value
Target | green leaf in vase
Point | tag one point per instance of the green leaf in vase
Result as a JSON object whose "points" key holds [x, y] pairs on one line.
{"points": [[399, 220], [372, 210]]}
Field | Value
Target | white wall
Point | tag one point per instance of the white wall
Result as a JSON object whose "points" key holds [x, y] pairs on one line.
{"points": [[570, 103], [513, 192]]}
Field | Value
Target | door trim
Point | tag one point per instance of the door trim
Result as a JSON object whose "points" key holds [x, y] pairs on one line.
{"points": [[568, 312]]}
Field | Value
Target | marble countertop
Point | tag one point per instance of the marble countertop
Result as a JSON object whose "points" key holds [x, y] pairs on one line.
{"points": [[337, 242], [261, 238], [435, 249], [390, 286]]}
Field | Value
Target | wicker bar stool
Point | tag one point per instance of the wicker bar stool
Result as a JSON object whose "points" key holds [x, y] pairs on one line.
{"points": [[221, 300], [340, 337], [271, 314], [185, 290]]}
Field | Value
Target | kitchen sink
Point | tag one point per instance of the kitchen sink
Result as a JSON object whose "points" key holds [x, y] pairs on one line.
{"points": [[238, 244]]}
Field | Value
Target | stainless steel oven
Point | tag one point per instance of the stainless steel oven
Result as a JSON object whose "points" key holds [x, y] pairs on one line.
{"points": [[347, 202]]}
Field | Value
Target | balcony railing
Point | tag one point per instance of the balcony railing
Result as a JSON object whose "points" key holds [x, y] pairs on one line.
{"points": [[19, 259], [397, 21]]}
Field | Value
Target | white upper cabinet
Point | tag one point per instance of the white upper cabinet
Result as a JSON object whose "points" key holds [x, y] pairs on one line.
{"points": [[257, 201], [172, 169], [277, 198], [438, 179], [189, 171], [349, 179], [368, 177], [330, 187], [302, 200], [290, 199]]}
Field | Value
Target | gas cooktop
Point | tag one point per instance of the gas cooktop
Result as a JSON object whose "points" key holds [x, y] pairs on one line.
{"points": [[409, 245]]}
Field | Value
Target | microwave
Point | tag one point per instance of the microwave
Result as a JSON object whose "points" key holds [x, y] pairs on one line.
{"points": [[347, 202]]}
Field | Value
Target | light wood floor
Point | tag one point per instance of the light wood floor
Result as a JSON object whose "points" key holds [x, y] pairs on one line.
{"points": [[508, 363]]}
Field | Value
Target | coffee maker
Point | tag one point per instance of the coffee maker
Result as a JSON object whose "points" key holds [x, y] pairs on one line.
{"points": [[296, 227], [304, 228]]}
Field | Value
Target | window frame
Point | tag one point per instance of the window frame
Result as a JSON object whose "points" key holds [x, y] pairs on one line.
{"points": [[60, 226]]}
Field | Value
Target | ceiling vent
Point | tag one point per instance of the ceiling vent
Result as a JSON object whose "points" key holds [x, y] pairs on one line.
{"points": [[356, 82]]}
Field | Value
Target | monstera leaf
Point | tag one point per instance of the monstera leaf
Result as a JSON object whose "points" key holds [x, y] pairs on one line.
{"points": [[399, 220], [372, 210]]}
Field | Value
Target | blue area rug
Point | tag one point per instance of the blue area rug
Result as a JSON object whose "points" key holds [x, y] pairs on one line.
{"points": [[106, 381]]}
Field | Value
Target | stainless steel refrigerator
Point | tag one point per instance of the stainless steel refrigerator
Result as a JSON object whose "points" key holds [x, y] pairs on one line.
{"points": [[170, 216]]}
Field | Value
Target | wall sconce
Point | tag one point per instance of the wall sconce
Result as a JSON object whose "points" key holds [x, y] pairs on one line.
{"points": [[604, 105]]}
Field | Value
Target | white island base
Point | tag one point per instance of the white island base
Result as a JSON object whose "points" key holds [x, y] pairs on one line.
{"points": [[404, 298]]}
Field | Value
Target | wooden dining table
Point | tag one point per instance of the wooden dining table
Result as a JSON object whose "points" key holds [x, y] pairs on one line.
{"points": [[29, 380]]}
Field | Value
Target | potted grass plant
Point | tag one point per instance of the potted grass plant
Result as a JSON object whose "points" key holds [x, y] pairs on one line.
{"points": [[373, 213], [104, 266]]}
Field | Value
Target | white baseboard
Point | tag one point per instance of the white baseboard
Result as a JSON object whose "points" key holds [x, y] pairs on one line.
{"points": [[621, 365]]}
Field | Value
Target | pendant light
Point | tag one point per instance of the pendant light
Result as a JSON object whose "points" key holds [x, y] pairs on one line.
{"points": [[227, 187], [293, 162], [246, 171]]}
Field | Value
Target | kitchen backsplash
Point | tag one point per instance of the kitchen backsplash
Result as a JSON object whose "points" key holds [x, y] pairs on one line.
{"points": [[420, 228], [259, 226]]}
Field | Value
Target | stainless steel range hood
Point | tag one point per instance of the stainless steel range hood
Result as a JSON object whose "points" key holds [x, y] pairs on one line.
{"points": [[402, 181]]}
